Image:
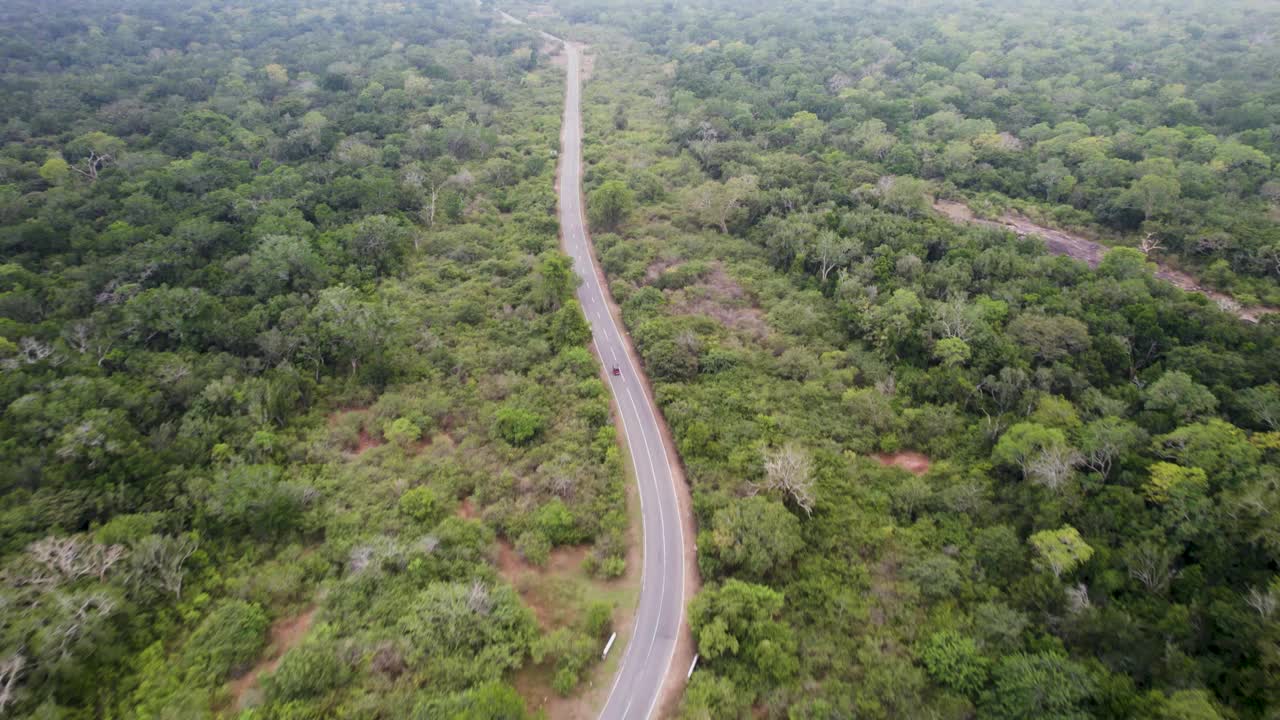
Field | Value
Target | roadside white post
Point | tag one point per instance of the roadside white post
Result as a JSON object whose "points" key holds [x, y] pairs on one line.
{"points": [[608, 645], [692, 665]]}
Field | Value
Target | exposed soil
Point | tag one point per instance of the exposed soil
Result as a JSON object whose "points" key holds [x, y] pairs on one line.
{"points": [[366, 441], [546, 598], [467, 510], [555, 594], [1060, 242], [286, 633], [913, 462]]}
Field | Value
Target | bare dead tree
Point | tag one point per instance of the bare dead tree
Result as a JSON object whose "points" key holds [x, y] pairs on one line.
{"points": [[1263, 601], [478, 599], [10, 672], [1078, 598], [81, 614], [1150, 244], [68, 559], [62, 558], [954, 317], [789, 471], [1151, 565], [33, 350], [93, 165], [159, 560], [79, 336], [1052, 466]]}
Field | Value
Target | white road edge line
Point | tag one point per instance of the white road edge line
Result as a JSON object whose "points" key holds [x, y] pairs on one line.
{"points": [[573, 62]]}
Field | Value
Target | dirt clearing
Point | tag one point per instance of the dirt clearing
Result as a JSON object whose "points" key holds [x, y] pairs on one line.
{"points": [[286, 633], [1060, 242], [913, 462]]}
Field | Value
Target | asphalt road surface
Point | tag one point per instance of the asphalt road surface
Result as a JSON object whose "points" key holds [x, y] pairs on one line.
{"points": [[660, 612]]}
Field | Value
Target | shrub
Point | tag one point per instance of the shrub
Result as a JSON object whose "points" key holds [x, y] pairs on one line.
{"points": [[599, 620], [534, 547], [306, 671], [402, 432], [518, 426], [953, 660], [421, 504], [557, 523], [227, 641], [613, 567], [564, 681]]}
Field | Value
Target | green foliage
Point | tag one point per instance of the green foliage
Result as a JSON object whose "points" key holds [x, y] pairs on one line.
{"points": [[402, 432], [610, 204], [488, 701], [556, 523], [1061, 551], [1039, 685], [517, 425], [712, 696], [307, 671], [226, 642], [1181, 397], [465, 634], [735, 630], [534, 547], [753, 539], [791, 285], [420, 504], [598, 620], [569, 327], [224, 284], [954, 661]]}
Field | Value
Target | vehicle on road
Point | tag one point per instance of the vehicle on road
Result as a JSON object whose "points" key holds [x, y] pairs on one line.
{"points": [[616, 371]]}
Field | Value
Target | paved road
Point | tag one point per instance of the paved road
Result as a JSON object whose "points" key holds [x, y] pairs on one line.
{"points": [[646, 661], [660, 613]]}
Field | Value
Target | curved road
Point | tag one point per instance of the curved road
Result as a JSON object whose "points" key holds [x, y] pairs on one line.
{"points": [[646, 662], [660, 612]]}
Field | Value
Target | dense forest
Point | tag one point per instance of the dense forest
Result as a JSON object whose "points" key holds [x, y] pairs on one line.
{"points": [[292, 375], [280, 289], [937, 471], [1149, 117]]}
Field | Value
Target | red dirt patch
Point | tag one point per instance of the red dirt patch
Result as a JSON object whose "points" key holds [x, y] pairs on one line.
{"points": [[286, 633], [1060, 242], [913, 462], [366, 441], [536, 585], [467, 511]]}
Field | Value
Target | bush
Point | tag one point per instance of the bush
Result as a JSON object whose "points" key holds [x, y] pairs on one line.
{"points": [[954, 661], [226, 642], [564, 681], [421, 504], [518, 426], [490, 701], [613, 567], [306, 671], [128, 529], [534, 547], [599, 620], [556, 523], [402, 432]]}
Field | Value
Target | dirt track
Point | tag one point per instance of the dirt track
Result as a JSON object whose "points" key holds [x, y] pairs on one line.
{"points": [[1060, 242]]}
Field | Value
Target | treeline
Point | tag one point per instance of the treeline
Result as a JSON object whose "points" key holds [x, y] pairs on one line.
{"points": [[1090, 528], [281, 289], [1131, 119]]}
